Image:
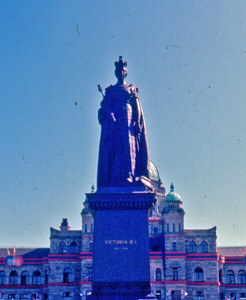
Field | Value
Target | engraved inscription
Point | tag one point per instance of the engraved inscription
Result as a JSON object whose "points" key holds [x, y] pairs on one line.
{"points": [[120, 248], [121, 242]]}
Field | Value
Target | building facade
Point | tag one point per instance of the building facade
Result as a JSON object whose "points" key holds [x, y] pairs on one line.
{"points": [[184, 263]]}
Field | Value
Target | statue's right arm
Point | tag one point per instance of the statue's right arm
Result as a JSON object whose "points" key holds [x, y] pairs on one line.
{"points": [[105, 113]]}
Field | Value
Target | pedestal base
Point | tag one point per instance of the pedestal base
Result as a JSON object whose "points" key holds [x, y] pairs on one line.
{"points": [[121, 267]]}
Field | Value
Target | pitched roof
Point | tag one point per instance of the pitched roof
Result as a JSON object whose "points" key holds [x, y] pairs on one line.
{"points": [[26, 252], [231, 251]]}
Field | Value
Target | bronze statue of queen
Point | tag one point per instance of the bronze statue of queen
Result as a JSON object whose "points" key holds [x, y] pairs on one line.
{"points": [[123, 152]]}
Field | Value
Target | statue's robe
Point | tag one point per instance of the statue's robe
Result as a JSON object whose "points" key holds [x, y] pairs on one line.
{"points": [[123, 151]]}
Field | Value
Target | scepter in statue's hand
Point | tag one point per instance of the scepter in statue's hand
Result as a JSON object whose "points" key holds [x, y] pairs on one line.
{"points": [[100, 89]]}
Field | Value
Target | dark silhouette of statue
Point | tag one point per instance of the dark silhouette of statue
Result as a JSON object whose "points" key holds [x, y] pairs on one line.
{"points": [[123, 152]]}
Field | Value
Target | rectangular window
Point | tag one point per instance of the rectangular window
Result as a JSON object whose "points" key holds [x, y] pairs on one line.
{"points": [[174, 246], [176, 294], [158, 294], [199, 296], [85, 228], [174, 228], [167, 227], [175, 274], [11, 296], [23, 296], [89, 273]]}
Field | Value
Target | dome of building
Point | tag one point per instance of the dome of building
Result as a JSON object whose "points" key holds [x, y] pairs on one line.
{"points": [[153, 172], [172, 196]]}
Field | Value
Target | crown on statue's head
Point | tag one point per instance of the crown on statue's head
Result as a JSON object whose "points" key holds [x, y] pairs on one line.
{"points": [[120, 64]]}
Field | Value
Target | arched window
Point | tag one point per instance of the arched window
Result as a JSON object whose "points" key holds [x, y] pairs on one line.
{"points": [[204, 247], [241, 277], [24, 278], [230, 277], [155, 230], [192, 247], [199, 295], [220, 276], [67, 275], [46, 277], [232, 295], [74, 249], [13, 278], [199, 276], [36, 278], [158, 274], [2, 278], [62, 248]]}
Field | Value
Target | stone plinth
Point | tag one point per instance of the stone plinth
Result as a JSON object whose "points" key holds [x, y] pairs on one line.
{"points": [[121, 243]]}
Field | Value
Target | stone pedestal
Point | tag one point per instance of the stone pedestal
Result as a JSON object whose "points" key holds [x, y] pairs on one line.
{"points": [[121, 267]]}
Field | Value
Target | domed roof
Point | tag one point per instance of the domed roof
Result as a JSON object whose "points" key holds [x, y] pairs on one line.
{"points": [[172, 196], [153, 172]]}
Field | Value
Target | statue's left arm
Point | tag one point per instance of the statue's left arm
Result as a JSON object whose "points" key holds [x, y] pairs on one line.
{"points": [[138, 119]]}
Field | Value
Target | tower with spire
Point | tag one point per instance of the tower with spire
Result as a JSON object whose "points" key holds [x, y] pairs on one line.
{"points": [[173, 213]]}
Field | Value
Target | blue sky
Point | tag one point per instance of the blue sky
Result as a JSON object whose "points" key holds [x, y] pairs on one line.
{"points": [[188, 59]]}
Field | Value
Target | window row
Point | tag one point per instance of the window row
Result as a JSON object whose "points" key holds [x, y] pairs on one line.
{"points": [[158, 247], [176, 295], [192, 247], [232, 295], [230, 277], [25, 279], [72, 248], [198, 274], [35, 279], [173, 227]]}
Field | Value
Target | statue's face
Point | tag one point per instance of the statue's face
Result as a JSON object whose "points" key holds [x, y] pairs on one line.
{"points": [[121, 73]]}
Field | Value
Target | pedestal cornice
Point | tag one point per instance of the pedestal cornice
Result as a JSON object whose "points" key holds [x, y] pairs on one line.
{"points": [[120, 198]]}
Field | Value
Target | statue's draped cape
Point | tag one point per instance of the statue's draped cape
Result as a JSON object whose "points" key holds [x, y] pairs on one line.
{"points": [[123, 151]]}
